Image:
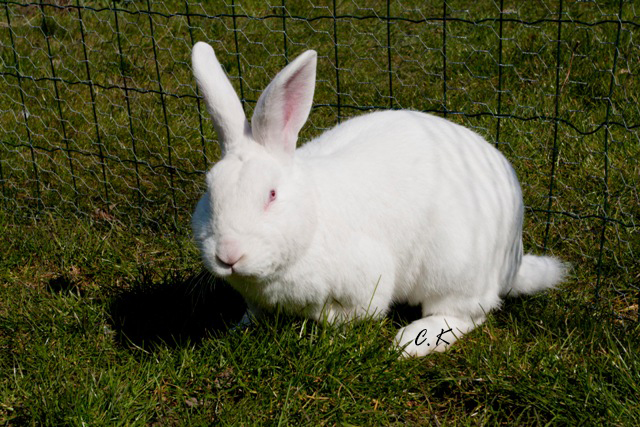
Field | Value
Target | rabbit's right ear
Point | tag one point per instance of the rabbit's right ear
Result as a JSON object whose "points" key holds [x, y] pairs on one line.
{"points": [[284, 106], [222, 101]]}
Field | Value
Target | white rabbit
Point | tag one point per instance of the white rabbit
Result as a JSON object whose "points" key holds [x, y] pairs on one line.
{"points": [[393, 206]]}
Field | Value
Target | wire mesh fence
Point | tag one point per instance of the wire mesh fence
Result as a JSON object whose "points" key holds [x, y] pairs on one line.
{"points": [[100, 117]]}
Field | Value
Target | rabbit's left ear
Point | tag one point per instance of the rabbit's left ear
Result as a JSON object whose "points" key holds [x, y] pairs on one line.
{"points": [[222, 102], [285, 104]]}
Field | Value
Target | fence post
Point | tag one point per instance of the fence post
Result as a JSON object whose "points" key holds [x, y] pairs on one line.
{"points": [[103, 162], [444, 58], [198, 106], [65, 139], [235, 38], [389, 70], [335, 53], [166, 119], [556, 120], [499, 111], [284, 33], [128, 103], [605, 195], [25, 114]]}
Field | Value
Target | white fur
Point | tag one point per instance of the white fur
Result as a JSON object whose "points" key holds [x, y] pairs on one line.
{"points": [[393, 206]]}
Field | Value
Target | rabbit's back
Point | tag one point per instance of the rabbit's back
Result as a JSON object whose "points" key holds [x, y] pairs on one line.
{"points": [[444, 203]]}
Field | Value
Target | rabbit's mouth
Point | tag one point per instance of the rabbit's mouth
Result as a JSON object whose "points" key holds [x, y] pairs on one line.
{"points": [[219, 267], [225, 265], [236, 271]]}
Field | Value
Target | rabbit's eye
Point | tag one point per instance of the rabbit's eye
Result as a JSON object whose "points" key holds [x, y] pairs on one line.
{"points": [[272, 198]]}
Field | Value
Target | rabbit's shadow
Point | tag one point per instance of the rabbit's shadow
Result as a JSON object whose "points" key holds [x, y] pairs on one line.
{"points": [[184, 309], [177, 311]]}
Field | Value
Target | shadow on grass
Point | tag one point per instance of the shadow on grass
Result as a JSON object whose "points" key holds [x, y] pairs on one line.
{"points": [[179, 310], [403, 314]]}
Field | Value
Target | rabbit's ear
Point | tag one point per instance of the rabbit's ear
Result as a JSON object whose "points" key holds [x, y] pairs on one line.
{"points": [[222, 102], [284, 105]]}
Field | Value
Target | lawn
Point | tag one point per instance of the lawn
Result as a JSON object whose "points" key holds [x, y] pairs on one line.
{"points": [[103, 326], [106, 317]]}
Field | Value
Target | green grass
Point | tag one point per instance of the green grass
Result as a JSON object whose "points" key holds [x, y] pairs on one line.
{"points": [[105, 316], [108, 328]]}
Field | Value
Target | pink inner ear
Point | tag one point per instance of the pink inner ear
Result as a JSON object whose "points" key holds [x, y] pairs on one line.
{"points": [[289, 108], [294, 90]]}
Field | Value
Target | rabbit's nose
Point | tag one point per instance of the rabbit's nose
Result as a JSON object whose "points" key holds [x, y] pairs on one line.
{"points": [[228, 253]]}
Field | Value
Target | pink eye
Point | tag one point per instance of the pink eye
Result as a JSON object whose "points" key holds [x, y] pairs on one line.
{"points": [[272, 198]]}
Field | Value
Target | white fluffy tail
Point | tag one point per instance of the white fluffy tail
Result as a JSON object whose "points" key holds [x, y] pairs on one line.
{"points": [[537, 273]]}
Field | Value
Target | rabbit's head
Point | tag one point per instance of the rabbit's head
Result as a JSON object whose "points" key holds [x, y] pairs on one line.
{"points": [[258, 212]]}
